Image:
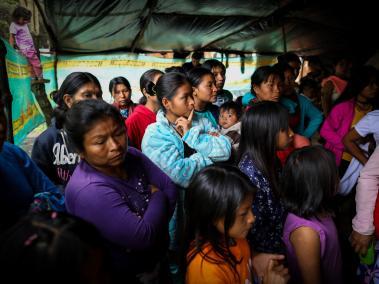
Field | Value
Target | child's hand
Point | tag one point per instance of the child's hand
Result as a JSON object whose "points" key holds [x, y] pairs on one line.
{"points": [[216, 134], [276, 273], [153, 189], [360, 243], [183, 124], [261, 261]]}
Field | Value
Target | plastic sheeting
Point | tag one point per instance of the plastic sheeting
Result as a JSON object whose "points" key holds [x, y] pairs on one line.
{"points": [[107, 66], [25, 111], [263, 26]]}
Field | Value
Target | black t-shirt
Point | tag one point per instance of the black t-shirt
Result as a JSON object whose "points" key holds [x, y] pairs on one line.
{"points": [[54, 156]]}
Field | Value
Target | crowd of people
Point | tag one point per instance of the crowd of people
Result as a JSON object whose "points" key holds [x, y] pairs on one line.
{"points": [[192, 185]]}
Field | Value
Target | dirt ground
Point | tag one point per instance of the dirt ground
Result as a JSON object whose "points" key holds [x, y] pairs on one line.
{"points": [[27, 144]]}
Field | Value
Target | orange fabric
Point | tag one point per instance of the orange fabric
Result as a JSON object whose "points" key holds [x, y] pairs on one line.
{"points": [[298, 142], [202, 271]]}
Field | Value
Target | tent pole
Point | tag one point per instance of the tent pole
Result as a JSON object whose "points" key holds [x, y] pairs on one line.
{"points": [[284, 39]]}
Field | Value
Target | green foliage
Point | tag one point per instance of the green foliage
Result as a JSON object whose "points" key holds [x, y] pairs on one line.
{"points": [[6, 9]]}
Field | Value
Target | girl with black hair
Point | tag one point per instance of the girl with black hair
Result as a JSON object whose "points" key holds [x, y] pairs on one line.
{"points": [[50, 151], [309, 183], [181, 143], [204, 94], [218, 218], [121, 92], [265, 130], [145, 113]]}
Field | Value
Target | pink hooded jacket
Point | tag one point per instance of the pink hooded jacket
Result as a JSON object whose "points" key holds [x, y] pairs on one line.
{"points": [[336, 126]]}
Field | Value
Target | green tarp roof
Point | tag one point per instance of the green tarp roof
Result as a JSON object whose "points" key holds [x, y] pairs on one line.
{"points": [[263, 26]]}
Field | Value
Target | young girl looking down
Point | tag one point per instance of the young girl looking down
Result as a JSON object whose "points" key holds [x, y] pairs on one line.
{"points": [[218, 218], [309, 182]]}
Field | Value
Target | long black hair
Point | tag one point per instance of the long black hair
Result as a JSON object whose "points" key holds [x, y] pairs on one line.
{"points": [[42, 245], [168, 84], [146, 83], [71, 84], [195, 76], [309, 181], [260, 128], [214, 194], [21, 12]]}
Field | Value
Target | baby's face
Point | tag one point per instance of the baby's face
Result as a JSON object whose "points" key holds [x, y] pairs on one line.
{"points": [[227, 118]]}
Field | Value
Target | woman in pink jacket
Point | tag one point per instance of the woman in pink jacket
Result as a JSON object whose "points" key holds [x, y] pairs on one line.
{"points": [[354, 103]]}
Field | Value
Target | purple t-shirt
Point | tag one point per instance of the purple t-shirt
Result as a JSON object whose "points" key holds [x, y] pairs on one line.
{"points": [[23, 37], [331, 262], [129, 217]]}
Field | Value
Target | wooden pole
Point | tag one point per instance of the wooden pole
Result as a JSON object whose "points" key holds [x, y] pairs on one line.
{"points": [[39, 92]]}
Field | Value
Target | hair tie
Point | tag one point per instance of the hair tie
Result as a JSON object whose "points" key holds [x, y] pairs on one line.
{"points": [[154, 90], [30, 240]]}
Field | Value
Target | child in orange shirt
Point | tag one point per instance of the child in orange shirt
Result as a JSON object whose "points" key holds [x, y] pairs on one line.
{"points": [[218, 217]]}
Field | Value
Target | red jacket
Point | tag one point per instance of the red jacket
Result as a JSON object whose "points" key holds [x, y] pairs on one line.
{"points": [[136, 124]]}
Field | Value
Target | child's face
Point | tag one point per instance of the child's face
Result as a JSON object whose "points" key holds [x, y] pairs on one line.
{"points": [[206, 91], [285, 138], [227, 118], [22, 21], [243, 222]]}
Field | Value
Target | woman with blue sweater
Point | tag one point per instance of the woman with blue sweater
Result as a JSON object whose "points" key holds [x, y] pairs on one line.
{"points": [[181, 143]]}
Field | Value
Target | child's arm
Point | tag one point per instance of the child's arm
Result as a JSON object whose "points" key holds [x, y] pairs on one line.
{"points": [[350, 141], [306, 243], [12, 40]]}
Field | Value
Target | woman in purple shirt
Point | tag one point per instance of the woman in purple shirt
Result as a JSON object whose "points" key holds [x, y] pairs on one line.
{"points": [[119, 190]]}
